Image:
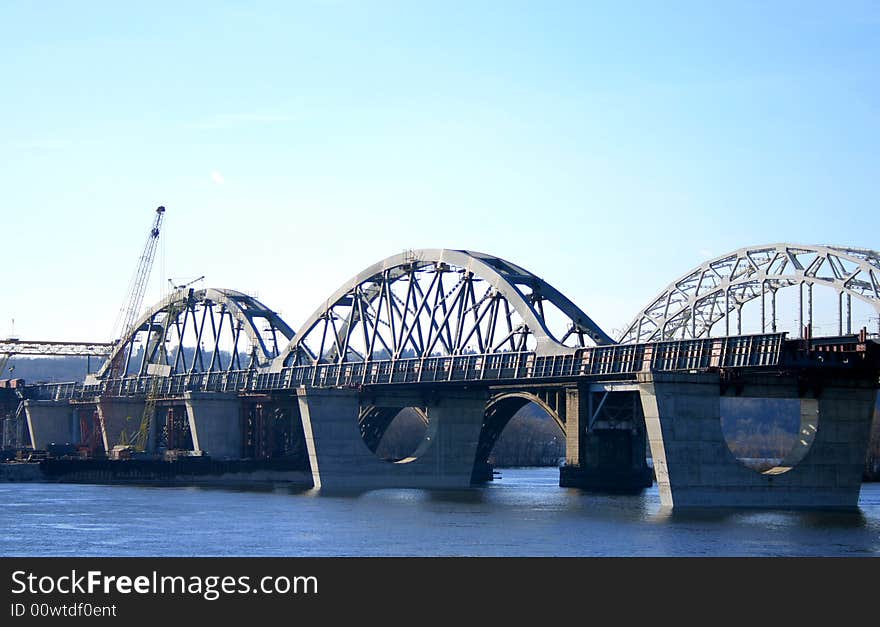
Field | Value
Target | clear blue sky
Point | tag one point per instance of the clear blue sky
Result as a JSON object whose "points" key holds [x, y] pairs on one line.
{"points": [[607, 147]]}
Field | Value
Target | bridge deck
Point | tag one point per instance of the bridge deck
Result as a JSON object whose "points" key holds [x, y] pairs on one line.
{"points": [[621, 361]]}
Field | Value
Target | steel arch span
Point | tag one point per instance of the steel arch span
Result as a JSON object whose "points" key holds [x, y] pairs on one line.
{"points": [[440, 302], [717, 290], [200, 331]]}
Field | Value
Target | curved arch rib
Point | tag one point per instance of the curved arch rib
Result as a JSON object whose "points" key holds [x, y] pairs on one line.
{"points": [[691, 305], [438, 301], [207, 317], [500, 409]]}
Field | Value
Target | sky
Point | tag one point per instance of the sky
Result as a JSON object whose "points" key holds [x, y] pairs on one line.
{"points": [[606, 147]]}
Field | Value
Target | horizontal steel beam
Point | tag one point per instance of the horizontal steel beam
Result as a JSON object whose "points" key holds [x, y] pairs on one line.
{"points": [[613, 387], [13, 346]]}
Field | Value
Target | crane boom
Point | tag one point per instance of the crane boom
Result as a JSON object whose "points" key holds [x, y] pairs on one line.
{"points": [[131, 306]]}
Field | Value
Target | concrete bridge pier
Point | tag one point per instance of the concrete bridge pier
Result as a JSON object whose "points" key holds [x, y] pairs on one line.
{"points": [[695, 467], [604, 453], [341, 460], [215, 423], [117, 414], [49, 422]]}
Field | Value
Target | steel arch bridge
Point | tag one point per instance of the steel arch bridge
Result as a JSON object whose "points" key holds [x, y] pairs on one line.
{"points": [[200, 331], [692, 305], [440, 302], [467, 340]]}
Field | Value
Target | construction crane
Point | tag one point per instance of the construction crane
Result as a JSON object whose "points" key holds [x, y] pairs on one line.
{"points": [[184, 285], [133, 302]]}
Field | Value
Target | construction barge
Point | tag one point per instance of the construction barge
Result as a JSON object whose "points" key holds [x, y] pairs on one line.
{"points": [[272, 450], [180, 471]]}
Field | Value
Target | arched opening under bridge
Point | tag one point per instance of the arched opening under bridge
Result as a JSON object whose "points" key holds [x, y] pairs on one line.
{"points": [[520, 429], [396, 434], [769, 435]]}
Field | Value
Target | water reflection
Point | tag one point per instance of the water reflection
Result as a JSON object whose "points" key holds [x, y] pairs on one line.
{"points": [[525, 513], [838, 520], [818, 519], [470, 497]]}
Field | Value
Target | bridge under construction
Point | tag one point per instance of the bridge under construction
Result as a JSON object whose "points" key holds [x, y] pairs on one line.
{"points": [[466, 339]]}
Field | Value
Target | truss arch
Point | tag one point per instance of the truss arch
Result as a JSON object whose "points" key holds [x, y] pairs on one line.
{"points": [[716, 291], [200, 331], [440, 302]]}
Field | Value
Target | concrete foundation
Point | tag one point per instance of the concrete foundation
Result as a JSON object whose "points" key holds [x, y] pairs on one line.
{"points": [[695, 468], [215, 423], [606, 458], [49, 422], [118, 414], [612, 460], [340, 460]]}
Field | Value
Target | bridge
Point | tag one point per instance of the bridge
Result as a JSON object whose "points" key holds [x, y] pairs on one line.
{"points": [[466, 340]]}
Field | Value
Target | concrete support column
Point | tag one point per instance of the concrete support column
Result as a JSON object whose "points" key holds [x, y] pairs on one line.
{"points": [[215, 423], [695, 468], [118, 414], [340, 459], [577, 419], [49, 422], [602, 457]]}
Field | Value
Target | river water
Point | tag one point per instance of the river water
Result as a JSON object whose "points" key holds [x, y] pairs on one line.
{"points": [[524, 513]]}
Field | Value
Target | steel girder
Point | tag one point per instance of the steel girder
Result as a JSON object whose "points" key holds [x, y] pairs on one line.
{"points": [[207, 324], [38, 348], [440, 302], [690, 306]]}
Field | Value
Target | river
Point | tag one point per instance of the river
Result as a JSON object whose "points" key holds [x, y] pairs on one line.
{"points": [[524, 513]]}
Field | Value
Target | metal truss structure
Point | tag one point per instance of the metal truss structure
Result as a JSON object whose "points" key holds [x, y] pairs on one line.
{"points": [[716, 291], [435, 315], [38, 348], [200, 331], [13, 346], [436, 302]]}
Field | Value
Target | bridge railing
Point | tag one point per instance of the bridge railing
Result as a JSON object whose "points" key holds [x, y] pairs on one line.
{"points": [[595, 362]]}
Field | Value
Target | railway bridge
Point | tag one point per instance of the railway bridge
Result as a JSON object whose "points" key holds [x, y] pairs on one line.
{"points": [[466, 339]]}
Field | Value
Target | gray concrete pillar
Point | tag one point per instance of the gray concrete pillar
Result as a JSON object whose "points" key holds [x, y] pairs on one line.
{"points": [[695, 467], [340, 459], [49, 422], [577, 420], [118, 415], [215, 423]]}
